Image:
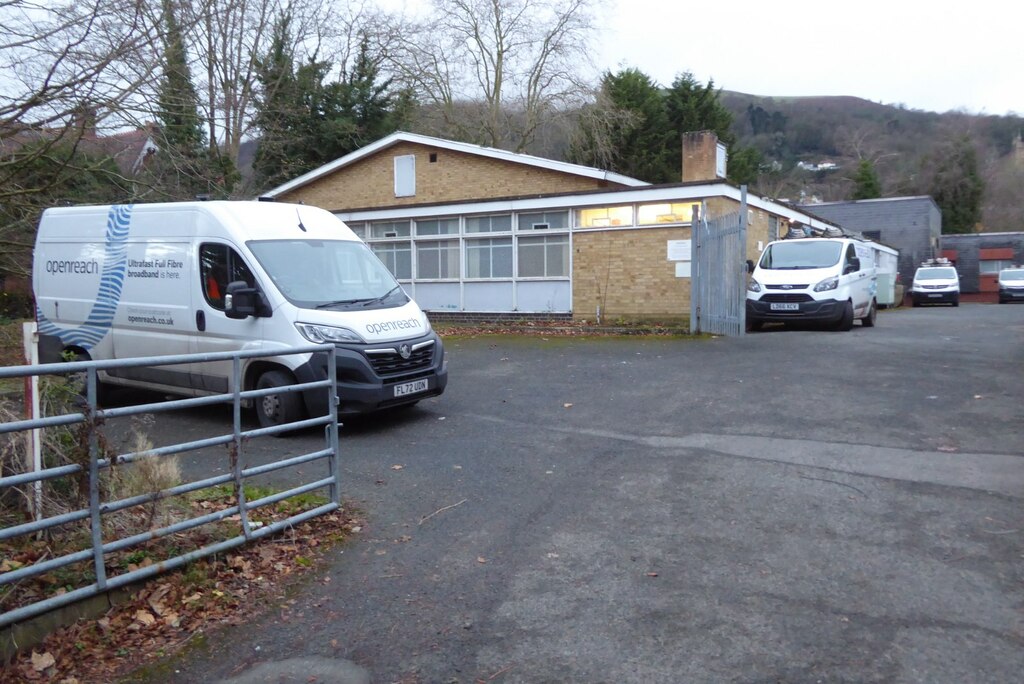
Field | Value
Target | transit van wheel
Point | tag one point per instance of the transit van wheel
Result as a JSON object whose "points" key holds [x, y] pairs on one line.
{"points": [[869, 320], [278, 409], [846, 321]]}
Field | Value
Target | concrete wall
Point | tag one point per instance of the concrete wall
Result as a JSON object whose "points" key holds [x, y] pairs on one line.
{"points": [[452, 177]]}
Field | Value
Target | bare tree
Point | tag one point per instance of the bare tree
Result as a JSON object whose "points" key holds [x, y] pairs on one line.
{"points": [[67, 69], [493, 71]]}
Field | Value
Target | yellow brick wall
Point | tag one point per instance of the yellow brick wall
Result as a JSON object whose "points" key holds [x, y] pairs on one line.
{"points": [[627, 273], [453, 177]]}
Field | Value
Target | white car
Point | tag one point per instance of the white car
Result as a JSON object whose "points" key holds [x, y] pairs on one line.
{"points": [[935, 285], [1011, 285]]}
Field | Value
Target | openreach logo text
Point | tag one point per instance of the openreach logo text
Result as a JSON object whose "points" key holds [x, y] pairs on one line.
{"points": [[72, 266], [389, 326]]}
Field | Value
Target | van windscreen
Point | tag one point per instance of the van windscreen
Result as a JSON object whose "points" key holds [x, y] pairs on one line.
{"points": [[799, 254], [336, 274]]}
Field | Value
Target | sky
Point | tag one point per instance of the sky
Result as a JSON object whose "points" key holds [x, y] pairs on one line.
{"points": [[936, 56]]}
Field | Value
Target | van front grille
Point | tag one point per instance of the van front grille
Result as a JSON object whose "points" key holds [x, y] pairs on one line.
{"points": [[390, 362], [787, 297]]}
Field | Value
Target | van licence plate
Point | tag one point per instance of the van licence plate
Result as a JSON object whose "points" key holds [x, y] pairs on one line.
{"points": [[413, 387], [785, 306]]}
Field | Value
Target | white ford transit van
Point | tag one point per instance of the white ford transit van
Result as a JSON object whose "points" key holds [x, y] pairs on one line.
{"points": [[140, 280], [827, 280]]}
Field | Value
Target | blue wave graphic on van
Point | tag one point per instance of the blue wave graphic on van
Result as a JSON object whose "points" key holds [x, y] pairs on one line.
{"points": [[101, 318]]}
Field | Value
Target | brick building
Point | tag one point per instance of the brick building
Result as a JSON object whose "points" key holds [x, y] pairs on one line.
{"points": [[476, 231]]}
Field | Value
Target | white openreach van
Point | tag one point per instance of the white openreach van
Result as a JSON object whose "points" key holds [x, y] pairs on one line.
{"points": [[140, 280], [824, 280]]}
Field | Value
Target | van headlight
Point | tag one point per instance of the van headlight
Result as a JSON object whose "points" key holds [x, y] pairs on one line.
{"points": [[753, 286], [327, 334], [827, 284]]}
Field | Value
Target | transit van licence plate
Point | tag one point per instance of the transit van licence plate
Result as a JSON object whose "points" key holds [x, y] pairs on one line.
{"points": [[411, 387], [785, 306]]}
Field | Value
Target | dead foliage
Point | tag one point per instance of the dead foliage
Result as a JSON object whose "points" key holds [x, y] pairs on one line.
{"points": [[161, 618]]}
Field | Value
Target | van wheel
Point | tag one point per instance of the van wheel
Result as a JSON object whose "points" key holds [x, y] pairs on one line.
{"points": [[103, 389], [846, 320], [869, 320], [956, 301], [278, 409]]}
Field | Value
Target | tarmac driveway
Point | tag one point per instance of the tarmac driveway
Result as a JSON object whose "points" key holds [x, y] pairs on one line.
{"points": [[791, 506]]}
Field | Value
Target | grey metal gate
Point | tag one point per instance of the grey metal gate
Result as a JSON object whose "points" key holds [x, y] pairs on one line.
{"points": [[98, 462], [719, 276]]}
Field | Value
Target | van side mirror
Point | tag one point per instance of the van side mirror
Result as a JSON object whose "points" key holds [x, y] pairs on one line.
{"points": [[853, 266], [242, 301], [750, 265]]}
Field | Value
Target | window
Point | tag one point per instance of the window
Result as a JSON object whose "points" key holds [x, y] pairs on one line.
{"points": [[448, 226], [544, 220], [389, 229], [605, 216], [437, 260], [544, 256], [397, 256], [676, 212], [220, 265], [994, 265], [489, 224], [358, 228], [405, 176], [489, 258], [872, 234], [773, 228]]}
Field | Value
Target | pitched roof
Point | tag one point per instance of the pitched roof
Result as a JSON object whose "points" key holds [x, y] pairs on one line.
{"points": [[467, 148]]}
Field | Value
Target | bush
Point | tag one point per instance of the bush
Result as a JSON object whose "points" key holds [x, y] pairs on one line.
{"points": [[16, 305]]}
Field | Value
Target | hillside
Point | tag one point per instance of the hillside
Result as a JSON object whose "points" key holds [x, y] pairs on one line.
{"points": [[830, 135]]}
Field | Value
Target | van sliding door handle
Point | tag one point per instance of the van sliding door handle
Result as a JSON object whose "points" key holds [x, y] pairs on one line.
{"points": [[200, 321]]}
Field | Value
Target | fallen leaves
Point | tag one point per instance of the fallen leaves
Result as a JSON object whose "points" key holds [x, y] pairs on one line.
{"points": [[161, 617]]}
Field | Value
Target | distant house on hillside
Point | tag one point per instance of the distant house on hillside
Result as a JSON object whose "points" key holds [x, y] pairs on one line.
{"points": [[820, 166]]}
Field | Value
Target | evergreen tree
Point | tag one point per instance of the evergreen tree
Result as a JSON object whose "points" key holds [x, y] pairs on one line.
{"points": [[627, 131], [744, 167], [866, 182], [305, 122], [957, 186], [693, 107], [182, 168]]}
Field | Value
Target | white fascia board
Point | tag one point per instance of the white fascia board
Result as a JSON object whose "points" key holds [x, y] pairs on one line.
{"points": [[688, 193]]}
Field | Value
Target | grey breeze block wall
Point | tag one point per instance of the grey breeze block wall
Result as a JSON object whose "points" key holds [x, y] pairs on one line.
{"points": [[968, 253], [912, 225]]}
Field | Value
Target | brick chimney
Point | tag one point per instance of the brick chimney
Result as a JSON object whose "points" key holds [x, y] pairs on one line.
{"points": [[704, 158]]}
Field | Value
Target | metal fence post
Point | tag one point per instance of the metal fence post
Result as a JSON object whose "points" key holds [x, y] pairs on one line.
{"points": [[236, 447], [95, 518], [332, 427]]}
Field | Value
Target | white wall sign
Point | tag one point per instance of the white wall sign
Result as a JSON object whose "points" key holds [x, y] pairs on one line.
{"points": [[683, 269], [679, 250]]}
